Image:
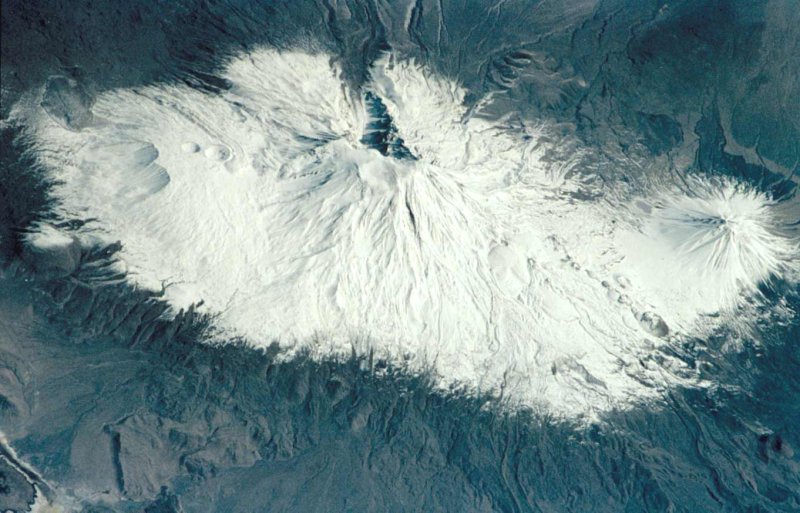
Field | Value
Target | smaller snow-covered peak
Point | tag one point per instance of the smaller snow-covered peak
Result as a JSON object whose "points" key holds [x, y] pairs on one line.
{"points": [[703, 248]]}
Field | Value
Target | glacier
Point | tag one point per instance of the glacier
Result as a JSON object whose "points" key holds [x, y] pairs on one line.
{"points": [[393, 220]]}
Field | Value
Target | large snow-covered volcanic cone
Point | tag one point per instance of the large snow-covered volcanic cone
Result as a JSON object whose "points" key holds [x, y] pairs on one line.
{"points": [[391, 218]]}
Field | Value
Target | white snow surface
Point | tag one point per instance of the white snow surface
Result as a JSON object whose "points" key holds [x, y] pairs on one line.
{"points": [[481, 261]]}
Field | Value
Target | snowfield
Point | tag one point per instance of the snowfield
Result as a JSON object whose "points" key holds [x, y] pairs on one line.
{"points": [[395, 220]]}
